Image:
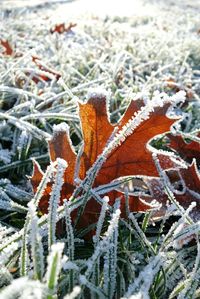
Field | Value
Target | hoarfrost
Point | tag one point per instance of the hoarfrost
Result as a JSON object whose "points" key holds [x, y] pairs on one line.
{"points": [[76, 291], [142, 284], [98, 92], [5, 156]]}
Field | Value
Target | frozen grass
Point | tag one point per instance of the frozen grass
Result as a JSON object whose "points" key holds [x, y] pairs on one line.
{"points": [[126, 57]]}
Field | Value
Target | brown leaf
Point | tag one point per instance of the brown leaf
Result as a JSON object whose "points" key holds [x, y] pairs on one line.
{"points": [[131, 157], [187, 151], [38, 77], [61, 28], [191, 177], [188, 179], [7, 47]]}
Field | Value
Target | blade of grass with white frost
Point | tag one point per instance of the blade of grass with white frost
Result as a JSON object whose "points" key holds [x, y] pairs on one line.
{"points": [[54, 200], [110, 259], [70, 242], [53, 269], [21, 163], [21, 124], [60, 116], [103, 246], [37, 252], [96, 240], [142, 284]]}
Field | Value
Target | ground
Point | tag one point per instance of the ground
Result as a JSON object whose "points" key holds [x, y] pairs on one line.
{"points": [[125, 50]]}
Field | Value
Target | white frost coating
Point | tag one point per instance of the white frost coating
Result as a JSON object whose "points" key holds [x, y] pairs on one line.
{"points": [[178, 162], [179, 97], [7, 252], [69, 231], [113, 223], [22, 141], [55, 198], [23, 288], [43, 183], [5, 201], [110, 258], [139, 296], [36, 243], [145, 278], [62, 127], [101, 219], [54, 263], [98, 92], [5, 277], [82, 279], [61, 163], [164, 177], [76, 291], [70, 266], [104, 243], [32, 209], [185, 233], [5, 231], [5, 156], [56, 248]]}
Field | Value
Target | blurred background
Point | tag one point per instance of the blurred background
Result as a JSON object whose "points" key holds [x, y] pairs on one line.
{"points": [[103, 7]]}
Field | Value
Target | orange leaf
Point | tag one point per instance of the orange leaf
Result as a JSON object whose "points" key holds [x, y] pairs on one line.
{"points": [[96, 130], [60, 146], [130, 157]]}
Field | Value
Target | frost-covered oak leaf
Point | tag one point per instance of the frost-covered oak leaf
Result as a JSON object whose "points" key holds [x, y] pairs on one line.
{"points": [[48, 72], [185, 184], [126, 152], [61, 28], [187, 150], [7, 47]]}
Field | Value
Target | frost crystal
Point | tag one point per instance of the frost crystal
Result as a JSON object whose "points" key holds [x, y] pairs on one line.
{"points": [[62, 127], [36, 244], [5, 156], [69, 230], [142, 284], [97, 92], [76, 291], [23, 288], [101, 219], [55, 199]]}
